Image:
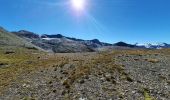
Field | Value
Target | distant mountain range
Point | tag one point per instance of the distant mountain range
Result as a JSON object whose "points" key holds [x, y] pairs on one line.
{"points": [[62, 44], [59, 43], [154, 45]]}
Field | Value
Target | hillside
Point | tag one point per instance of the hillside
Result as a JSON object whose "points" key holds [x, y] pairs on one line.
{"points": [[10, 40], [7, 38]]}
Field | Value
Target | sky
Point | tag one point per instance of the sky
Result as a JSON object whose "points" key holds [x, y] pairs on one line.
{"points": [[131, 21]]}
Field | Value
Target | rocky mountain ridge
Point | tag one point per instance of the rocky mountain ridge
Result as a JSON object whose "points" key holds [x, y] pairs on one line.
{"points": [[62, 44], [58, 43]]}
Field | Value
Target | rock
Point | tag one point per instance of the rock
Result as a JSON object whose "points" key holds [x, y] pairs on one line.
{"points": [[82, 98], [133, 92], [3, 64], [9, 52], [81, 81]]}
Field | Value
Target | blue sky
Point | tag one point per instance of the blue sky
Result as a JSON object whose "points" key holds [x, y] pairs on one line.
{"points": [[107, 20]]}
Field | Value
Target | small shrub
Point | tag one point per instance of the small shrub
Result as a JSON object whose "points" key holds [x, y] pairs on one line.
{"points": [[113, 81], [54, 91], [129, 79], [3, 64], [168, 82], [9, 52], [81, 81], [31, 48], [66, 84], [108, 79], [136, 59], [50, 82], [162, 77]]}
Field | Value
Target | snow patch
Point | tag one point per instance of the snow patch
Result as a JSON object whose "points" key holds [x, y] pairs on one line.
{"points": [[48, 38]]}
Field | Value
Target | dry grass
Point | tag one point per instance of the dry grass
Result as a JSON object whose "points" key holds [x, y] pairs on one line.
{"points": [[19, 62], [153, 60], [27, 61]]}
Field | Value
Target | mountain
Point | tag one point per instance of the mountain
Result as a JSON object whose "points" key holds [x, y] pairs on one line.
{"points": [[123, 44], [54, 43], [59, 43], [153, 45], [143, 46], [62, 45], [26, 34], [91, 43]]}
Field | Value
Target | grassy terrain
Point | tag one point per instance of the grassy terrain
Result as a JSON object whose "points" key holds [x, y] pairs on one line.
{"points": [[14, 64], [40, 75]]}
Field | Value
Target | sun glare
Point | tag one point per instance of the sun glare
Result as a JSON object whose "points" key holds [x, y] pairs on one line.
{"points": [[78, 4]]}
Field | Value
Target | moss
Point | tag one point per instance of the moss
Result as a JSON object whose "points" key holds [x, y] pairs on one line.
{"points": [[28, 98], [147, 96]]}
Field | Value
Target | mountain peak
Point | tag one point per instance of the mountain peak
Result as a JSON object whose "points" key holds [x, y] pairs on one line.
{"points": [[27, 34], [95, 41], [123, 44]]}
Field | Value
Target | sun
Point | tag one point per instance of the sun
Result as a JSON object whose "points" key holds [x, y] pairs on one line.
{"points": [[78, 4]]}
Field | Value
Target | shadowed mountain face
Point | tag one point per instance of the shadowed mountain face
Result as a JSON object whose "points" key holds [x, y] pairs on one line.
{"points": [[123, 44], [26, 34], [52, 36]]}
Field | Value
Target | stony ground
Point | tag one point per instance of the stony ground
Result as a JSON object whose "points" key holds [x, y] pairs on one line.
{"points": [[113, 75]]}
